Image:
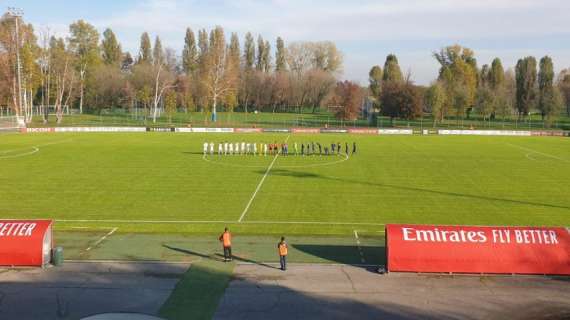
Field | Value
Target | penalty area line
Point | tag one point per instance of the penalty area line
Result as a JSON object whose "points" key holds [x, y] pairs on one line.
{"points": [[360, 252], [102, 239], [260, 184]]}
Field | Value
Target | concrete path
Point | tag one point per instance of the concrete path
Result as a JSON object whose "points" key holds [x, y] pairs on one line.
{"points": [[78, 290], [346, 292]]}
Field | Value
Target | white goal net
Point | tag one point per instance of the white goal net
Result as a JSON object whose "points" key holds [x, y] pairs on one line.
{"points": [[11, 123]]}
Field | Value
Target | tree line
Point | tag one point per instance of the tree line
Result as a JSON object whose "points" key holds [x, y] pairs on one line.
{"points": [[463, 88], [91, 72]]}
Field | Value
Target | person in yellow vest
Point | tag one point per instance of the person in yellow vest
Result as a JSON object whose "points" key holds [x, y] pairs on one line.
{"points": [[226, 240], [282, 249]]}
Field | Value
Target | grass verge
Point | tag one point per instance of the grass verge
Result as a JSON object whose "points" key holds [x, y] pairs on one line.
{"points": [[198, 293]]}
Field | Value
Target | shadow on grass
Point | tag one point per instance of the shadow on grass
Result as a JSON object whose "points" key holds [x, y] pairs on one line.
{"points": [[297, 174], [217, 257], [343, 254]]}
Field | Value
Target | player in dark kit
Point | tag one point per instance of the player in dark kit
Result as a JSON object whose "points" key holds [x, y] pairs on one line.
{"points": [[354, 148]]}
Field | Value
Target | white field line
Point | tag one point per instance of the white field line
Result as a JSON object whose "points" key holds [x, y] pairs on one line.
{"points": [[260, 184], [538, 152], [35, 149], [359, 248], [221, 222], [102, 239]]}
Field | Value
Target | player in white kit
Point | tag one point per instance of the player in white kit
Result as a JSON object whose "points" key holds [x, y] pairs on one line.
{"points": [[205, 148]]}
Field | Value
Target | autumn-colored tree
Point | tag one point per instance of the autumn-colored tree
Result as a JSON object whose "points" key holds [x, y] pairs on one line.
{"points": [[170, 104], [348, 96], [459, 74], [401, 100], [485, 101], [217, 80]]}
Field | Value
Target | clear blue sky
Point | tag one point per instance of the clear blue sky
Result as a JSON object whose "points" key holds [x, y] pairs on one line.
{"points": [[365, 30]]}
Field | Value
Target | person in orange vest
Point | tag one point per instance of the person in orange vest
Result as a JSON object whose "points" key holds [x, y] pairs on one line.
{"points": [[226, 240], [282, 249]]}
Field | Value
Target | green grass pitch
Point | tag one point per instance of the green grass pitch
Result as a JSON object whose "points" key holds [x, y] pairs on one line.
{"points": [[160, 182]]}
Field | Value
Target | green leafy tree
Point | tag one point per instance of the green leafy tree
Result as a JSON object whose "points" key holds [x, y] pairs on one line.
{"points": [[435, 100], [112, 52], [392, 71], [260, 53], [564, 87], [249, 52], [526, 85], [145, 51], [496, 75], [158, 56], [190, 53], [375, 84], [280, 56], [546, 87], [84, 43], [484, 75]]}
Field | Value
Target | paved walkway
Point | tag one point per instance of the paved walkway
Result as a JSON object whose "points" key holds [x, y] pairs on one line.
{"points": [[346, 292], [78, 290]]}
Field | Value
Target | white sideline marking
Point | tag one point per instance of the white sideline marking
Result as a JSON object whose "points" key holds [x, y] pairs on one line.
{"points": [[260, 184], [358, 246], [223, 222], [538, 152], [102, 239]]}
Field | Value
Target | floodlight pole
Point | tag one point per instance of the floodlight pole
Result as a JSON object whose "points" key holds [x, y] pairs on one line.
{"points": [[16, 14]]}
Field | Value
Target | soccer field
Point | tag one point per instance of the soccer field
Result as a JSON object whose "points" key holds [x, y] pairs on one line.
{"points": [[161, 182]]}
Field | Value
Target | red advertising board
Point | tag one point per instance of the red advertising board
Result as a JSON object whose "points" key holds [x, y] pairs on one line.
{"points": [[469, 249], [25, 242]]}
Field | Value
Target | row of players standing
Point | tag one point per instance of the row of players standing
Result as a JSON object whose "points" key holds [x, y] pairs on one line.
{"points": [[249, 148]]}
